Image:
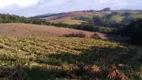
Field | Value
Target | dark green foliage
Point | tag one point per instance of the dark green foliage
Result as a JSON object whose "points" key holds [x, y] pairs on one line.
{"points": [[91, 27], [6, 18], [87, 27], [84, 18], [134, 30], [79, 34], [106, 9], [105, 21]]}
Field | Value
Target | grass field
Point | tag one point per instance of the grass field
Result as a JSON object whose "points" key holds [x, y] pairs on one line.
{"points": [[42, 58], [117, 18], [71, 22]]}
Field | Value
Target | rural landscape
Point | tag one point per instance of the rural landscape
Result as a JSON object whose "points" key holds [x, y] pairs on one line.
{"points": [[88, 44]]}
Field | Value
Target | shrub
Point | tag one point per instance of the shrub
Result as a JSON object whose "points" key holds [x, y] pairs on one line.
{"points": [[134, 31], [136, 36], [76, 34]]}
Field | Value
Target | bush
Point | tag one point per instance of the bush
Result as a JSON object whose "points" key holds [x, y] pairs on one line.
{"points": [[77, 34], [136, 36], [134, 31]]}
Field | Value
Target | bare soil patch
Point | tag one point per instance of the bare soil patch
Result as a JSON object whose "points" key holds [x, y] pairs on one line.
{"points": [[23, 30], [20, 30]]}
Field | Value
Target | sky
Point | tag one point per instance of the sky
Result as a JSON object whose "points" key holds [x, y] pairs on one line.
{"points": [[29, 8]]}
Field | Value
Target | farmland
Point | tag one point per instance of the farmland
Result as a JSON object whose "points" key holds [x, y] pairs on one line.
{"points": [[36, 58], [23, 30]]}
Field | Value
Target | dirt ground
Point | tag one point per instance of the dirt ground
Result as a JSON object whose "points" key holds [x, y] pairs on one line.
{"points": [[25, 30], [20, 30]]}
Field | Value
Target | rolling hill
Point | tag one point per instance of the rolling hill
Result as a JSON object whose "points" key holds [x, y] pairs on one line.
{"points": [[77, 17]]}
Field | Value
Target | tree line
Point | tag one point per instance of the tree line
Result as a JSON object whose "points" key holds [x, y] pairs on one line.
{"points": [[6, 18], [134, 31]]}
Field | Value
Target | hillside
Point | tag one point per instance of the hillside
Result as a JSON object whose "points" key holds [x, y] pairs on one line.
{"points": [[36, 58], [30, 30], [21, 29], [68, 17], [77, 17]]}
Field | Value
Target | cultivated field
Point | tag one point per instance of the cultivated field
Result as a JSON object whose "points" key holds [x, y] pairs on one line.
{"points": [[42, 58], [21, 30]]}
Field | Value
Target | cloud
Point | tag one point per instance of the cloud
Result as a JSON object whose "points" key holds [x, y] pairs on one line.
{"points": [[36, 7], [21, 3]]}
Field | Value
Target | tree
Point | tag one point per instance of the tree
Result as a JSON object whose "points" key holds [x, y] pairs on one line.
{"points": [[134, 30]]}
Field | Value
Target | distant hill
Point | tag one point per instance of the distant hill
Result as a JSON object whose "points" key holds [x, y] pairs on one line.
{"points": [[107, 15], [44, 15]]}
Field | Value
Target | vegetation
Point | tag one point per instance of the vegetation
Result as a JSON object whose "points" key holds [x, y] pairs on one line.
{"points": [[106, 17], [77, 34], [112, 20], [86, 26], [6, 18], [69, 22], [105, 20], [134, 30], [72, 22], [42, 58], [36, 58], [102, 21]]}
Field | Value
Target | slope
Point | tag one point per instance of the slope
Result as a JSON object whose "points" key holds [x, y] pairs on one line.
{"points": [[20, 30], [43, 58], [77, 17]]}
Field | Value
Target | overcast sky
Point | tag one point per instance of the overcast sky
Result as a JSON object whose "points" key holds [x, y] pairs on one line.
{"points": [[36, 7]]}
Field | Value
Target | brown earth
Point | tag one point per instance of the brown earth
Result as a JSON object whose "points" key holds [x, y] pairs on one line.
{"points": [[68, 16], [24, 30], [20, 30]]}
